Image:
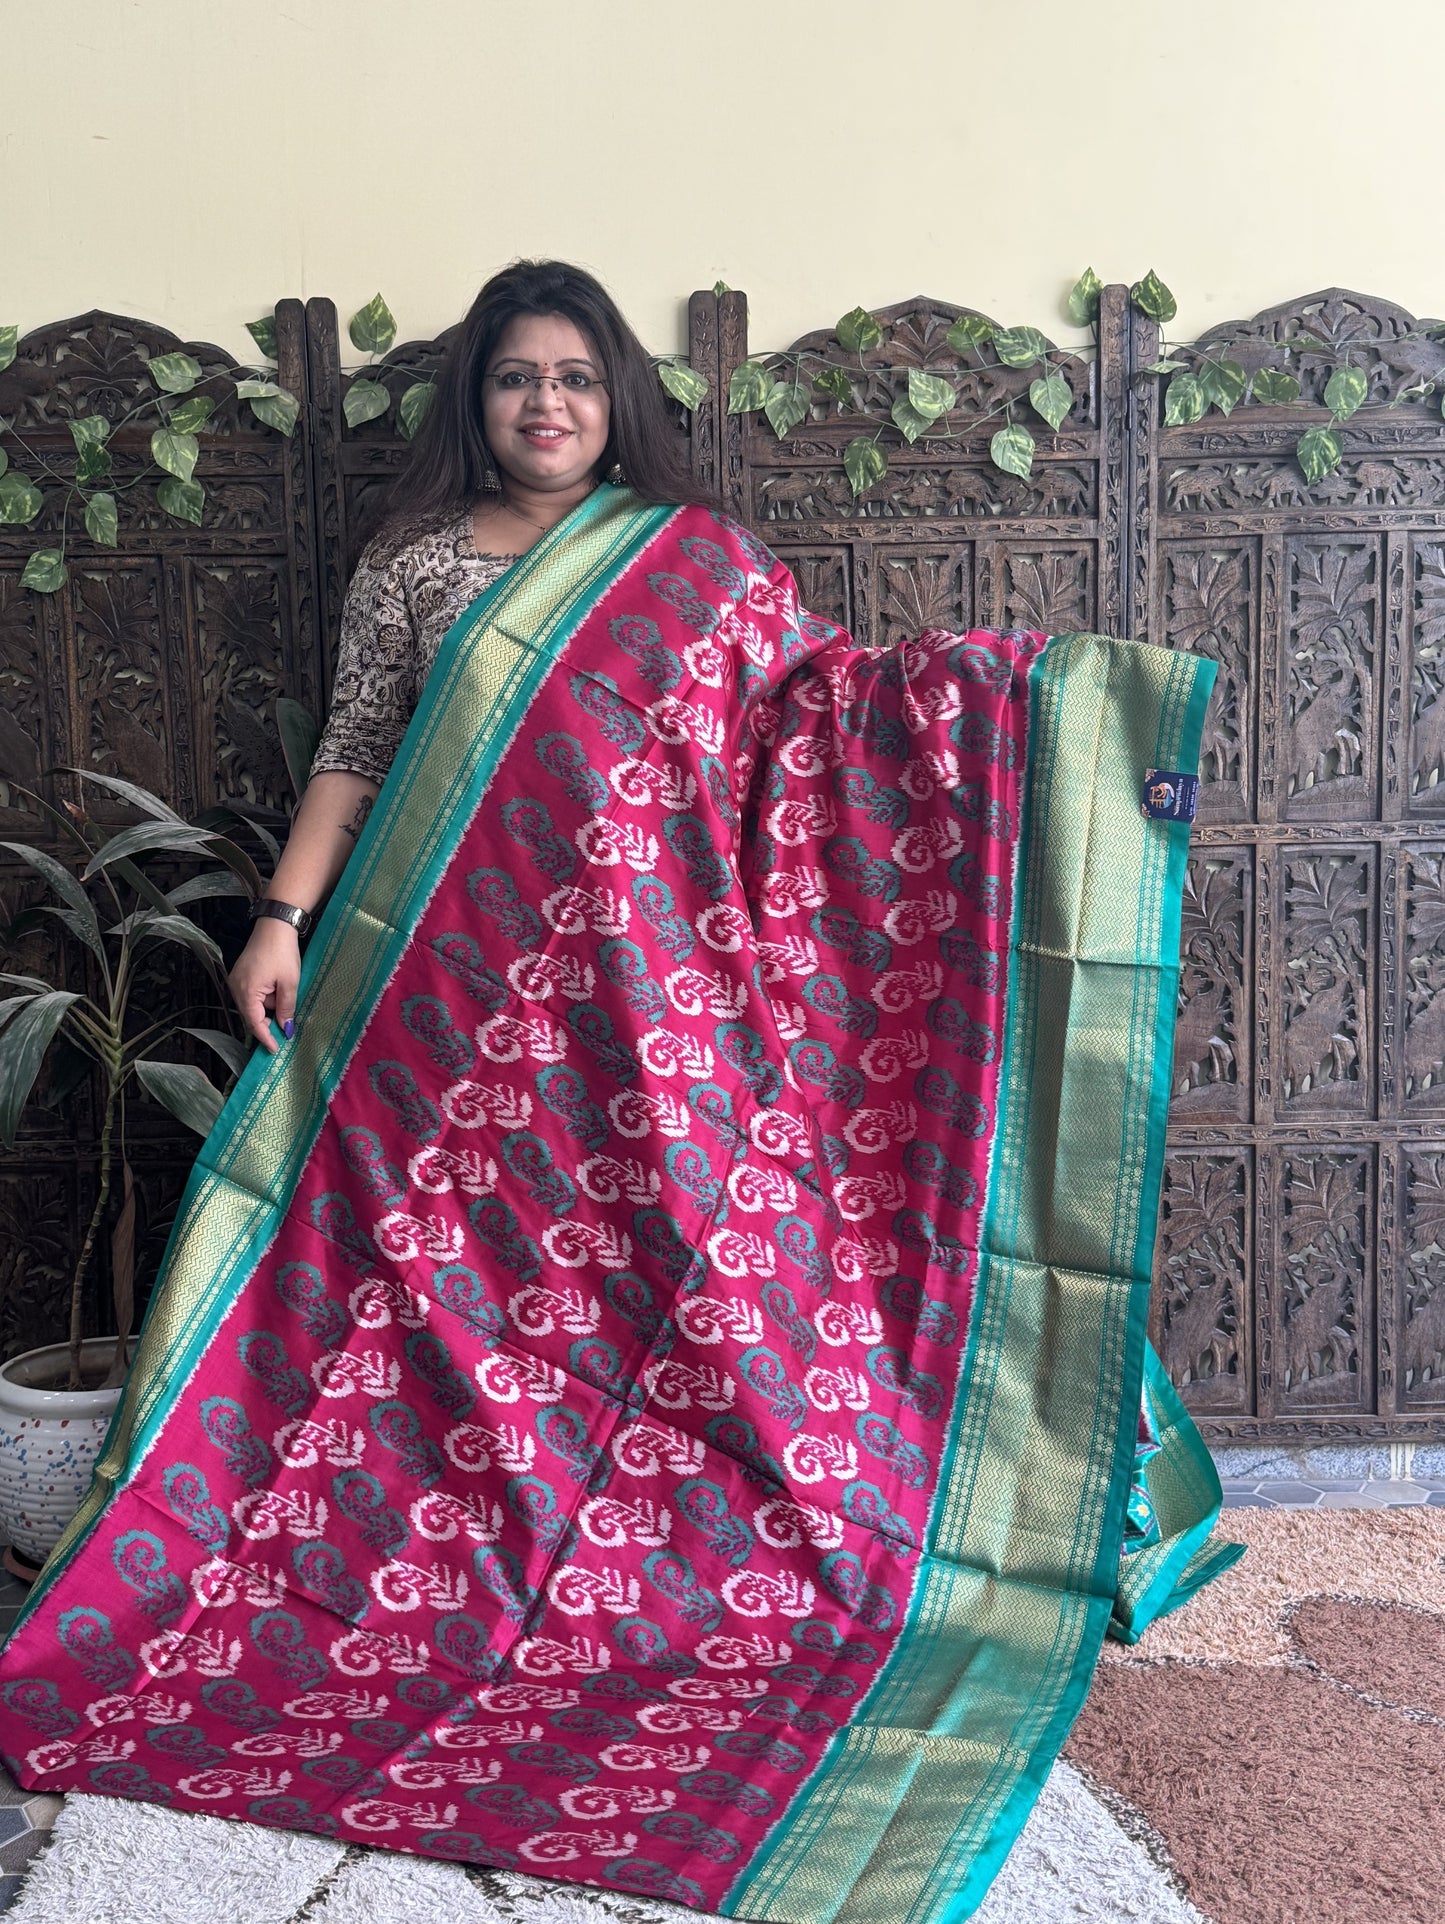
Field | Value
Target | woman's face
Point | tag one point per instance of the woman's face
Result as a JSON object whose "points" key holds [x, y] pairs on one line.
{"points": [[550, 437]]}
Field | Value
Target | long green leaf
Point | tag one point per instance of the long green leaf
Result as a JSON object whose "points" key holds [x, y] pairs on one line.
{"points": [[69, 1067], [11, 1003], [138, 797], [201, 888], [78, 927], [296, 726], [38, 983], [22, 1045], [59, 878], [186, 1091], [172, 928], [144, 837], [233, 1052]]}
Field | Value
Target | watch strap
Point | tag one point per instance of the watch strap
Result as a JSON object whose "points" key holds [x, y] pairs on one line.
{"points": [[298, 918]]}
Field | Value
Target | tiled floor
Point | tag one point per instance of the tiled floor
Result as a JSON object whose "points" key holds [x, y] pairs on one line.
{"points": [[1359, 1493]]}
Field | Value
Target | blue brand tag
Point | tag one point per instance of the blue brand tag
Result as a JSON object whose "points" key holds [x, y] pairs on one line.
{"points": [[1169, 795]]}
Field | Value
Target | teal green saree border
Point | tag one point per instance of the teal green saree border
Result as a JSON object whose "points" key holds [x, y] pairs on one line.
{"points": [[860, 1841], [488, 669]]}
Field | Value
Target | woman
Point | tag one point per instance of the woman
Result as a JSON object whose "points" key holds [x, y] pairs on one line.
{"points": [[646, 1379]]}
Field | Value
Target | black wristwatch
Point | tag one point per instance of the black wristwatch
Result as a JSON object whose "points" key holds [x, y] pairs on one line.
{"points": [[299, 919]]}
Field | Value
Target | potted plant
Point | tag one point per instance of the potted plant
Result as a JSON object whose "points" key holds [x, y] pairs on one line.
{"points": [[56, 1402]]}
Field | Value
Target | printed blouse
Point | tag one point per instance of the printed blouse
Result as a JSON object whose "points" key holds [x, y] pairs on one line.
{"points": [[402, 600]]}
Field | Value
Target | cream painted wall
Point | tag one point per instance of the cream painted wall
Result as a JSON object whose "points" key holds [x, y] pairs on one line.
{"points": [[192, 162]]}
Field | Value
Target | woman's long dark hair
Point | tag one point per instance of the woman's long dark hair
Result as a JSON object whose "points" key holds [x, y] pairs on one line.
{"points": [[450, 458]]}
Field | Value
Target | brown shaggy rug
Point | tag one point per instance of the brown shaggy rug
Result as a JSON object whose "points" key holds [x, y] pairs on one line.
{"points": [[1279, 1744]]}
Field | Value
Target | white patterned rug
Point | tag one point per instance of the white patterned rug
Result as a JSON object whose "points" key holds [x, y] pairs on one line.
{"points": [[114, 1862]]}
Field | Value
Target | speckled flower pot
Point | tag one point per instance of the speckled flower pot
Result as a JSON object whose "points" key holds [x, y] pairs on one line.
{"points": [[49, 1442]]}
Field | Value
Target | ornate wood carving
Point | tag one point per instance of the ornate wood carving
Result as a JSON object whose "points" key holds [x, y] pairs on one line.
{"points": [[1314, 917]]}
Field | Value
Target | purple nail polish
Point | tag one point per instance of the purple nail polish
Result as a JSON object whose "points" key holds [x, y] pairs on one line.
{"points": [[288, 1029]]}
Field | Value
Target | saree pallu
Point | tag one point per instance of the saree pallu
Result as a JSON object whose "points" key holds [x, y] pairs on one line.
{"points": [[645, 1388]]}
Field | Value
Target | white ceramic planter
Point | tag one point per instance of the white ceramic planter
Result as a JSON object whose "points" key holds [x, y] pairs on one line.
{"points": [[49, 1442]]}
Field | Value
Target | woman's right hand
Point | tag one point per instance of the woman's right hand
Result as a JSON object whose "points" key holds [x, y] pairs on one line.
{"points": [[266, 977]]}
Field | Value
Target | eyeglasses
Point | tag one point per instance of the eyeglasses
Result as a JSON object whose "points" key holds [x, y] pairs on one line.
{"points": [[574, 380]]}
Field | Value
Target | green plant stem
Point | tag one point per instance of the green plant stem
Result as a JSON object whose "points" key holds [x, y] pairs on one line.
{"points": [[77, 1281]]}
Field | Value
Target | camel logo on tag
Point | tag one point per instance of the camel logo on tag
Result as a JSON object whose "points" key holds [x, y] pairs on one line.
{"points": [[1169, 795]]}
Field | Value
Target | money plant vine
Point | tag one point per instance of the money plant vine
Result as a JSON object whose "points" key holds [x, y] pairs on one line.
{"points": [[90, 485], [784, 386]]}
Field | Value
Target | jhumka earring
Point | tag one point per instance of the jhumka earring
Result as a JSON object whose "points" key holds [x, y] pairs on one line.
{"points": [[616, 476], [490, 481]]}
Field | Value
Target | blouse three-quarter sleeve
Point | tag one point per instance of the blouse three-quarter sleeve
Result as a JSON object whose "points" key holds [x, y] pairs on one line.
{"points": [[376, 685]]}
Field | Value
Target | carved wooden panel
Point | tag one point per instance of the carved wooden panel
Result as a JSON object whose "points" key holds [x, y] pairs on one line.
{"points": [[1312, 996], [160, 661], [945, 539], [1204, 1264]]}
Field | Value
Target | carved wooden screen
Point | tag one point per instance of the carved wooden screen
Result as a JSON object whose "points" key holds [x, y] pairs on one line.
{"points": [[945, 540], [1301, 1284], [160, 661]]}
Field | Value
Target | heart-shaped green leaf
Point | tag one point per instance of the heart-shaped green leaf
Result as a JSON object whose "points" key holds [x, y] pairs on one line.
{"points": [[968, 333], [101, 521], [1183, 402], [908, 421], [929, 394], [1019, 346], [1274, 387], [279, 410], [1344, 391], [89, 430], [373, 327], [721, 287], [834, 381], [176, 453], [255, 389], [1153, 298], [857, 331], [749, 388], [786, 406], [93, 464], [1222, 383], [364, 401], [175, 373], [182, 500], [45, 571], [1082, 305], [1052, 397], [1163, 367], [20, 500], [9, 345], [263, 333], [683, 383], [414, 406], [191, 416], [1318, 452], [864, 463], [1012, 449]]}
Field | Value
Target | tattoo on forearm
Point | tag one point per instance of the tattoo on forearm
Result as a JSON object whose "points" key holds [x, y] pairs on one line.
{"points": [[357, 823]]}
